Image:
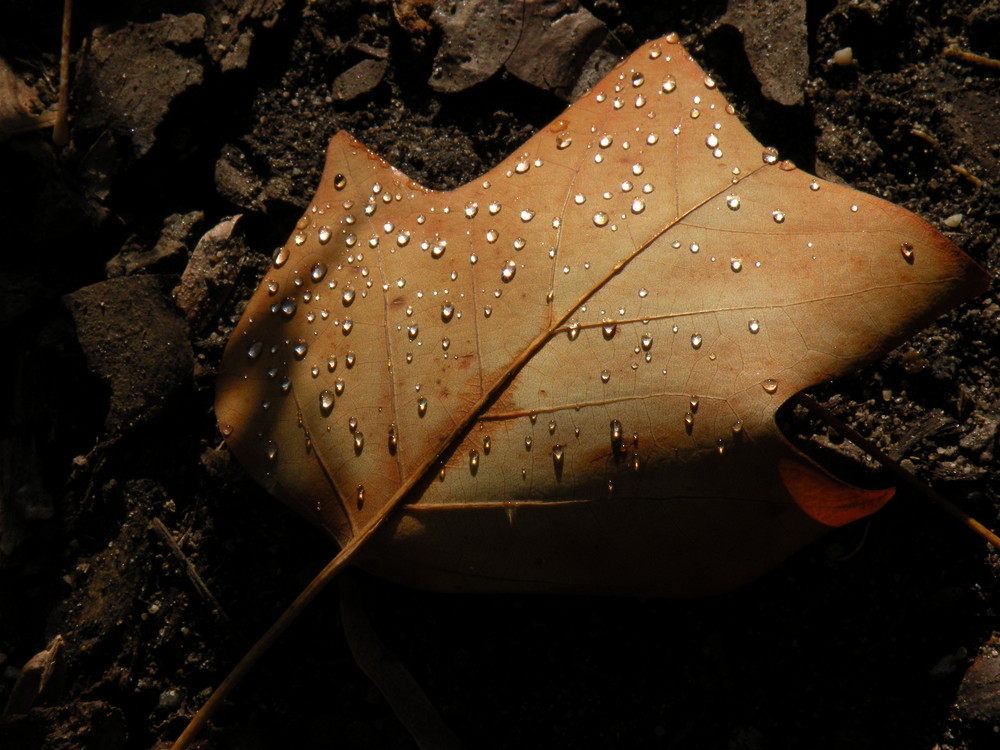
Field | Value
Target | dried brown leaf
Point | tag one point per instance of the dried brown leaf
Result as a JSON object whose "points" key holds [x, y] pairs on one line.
{"points": [[567, 371]]}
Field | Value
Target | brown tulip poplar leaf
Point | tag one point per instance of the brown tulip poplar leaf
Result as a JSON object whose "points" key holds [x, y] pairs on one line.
{"points": [[566, 372]]}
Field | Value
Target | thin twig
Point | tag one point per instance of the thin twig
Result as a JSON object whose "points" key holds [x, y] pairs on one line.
{"points": [[955, 53], [60, 133], [164, 533], [905, 477]]}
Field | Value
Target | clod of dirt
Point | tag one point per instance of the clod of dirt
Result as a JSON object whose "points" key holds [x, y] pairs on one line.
{"points": [[232, 25], [211, 273], [979, 693], [776, 44], [555, 45], [135, 341], [129, 78], [179, 231], [82, 724], [19, 103], [236, 180], [358, 79], [41, 681]]}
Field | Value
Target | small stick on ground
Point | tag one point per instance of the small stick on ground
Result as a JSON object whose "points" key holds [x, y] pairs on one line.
{"points": [[60, 133], [956, 53], [905, 477], [164, 533]]}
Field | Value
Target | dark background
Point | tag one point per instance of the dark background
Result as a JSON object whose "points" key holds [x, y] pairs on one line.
{"points": [[860, 641]]}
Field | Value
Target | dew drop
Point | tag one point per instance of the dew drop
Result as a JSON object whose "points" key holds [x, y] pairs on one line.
{"points": [[492, 236], [638, 206], [814, 186], [437, 249], [688, 419], [403, 239], [605, 376], [770, 385], [637, 169], [646, 342], [601, 219], [347, 326], [339, 181], [769, 156], [778, 216], [509, 269], [318, 272], [272, 286], [338, 386], [696, 341], [753, 325], [527, 443], [270, 450], [573, 331], [326, 402], [522, 166], [609, 330], [563, 141], [331, 364], [494, 208], [288, 306], [558, 453], [712, 141], [255, 349], [350, 359], [351, 239], [527, 215], [348, 296], [579, 199], [737, 426], [487, 311], [412, 331], [421, 406], [907, 250], [733, 202], [471, 209], [300, 350], [473, 460], [643, 292], [736, 264], [487, 444], [445, 343], [447, 311], [359, 496], [669, 85]]}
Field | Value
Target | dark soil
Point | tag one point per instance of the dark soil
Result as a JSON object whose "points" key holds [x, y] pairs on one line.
{"points": [[108, 440]]}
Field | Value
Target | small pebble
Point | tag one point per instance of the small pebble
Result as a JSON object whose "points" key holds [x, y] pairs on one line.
{"points": [[843, 57]]}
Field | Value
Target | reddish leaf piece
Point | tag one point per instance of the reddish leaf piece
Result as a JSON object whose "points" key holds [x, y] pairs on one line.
{"points": [[567, 371]]}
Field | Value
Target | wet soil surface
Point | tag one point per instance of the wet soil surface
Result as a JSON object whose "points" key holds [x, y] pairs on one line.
{"points": [[126, 528]]}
